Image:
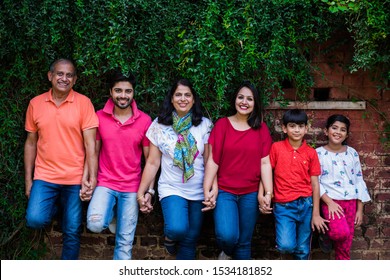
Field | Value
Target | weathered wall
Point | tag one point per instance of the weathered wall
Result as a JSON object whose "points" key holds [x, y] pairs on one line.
{"points": [[372, 239]]}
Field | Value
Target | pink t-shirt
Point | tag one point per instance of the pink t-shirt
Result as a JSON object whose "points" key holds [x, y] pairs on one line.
{"points": [[60, 147], [292, 170], [238, 155], [121, 148]]}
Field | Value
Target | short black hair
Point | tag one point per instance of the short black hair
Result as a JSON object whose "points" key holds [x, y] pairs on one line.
{"points": [[118, 76], [165, 116], [297, 116]]}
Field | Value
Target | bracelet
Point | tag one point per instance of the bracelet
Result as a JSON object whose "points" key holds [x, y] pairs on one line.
{"points": [[268, 193], [141, 196]]}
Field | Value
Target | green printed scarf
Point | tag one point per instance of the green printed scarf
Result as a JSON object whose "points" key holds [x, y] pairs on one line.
{"points": [[186, 150]]}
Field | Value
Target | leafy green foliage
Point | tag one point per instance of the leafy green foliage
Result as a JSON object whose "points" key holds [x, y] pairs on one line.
{"points": [[216, 44], [369, 23]]}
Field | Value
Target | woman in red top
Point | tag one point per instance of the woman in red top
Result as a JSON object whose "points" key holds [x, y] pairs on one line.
{"points": [[238, 162]]}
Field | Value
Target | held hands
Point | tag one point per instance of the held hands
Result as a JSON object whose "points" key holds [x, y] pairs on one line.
{"points": [[265, 204], [145, 203], [86, 191], [87, 188], [210, 199]]}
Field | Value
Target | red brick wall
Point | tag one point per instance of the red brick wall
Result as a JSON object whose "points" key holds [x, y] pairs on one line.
{"points": [[372, 239]]}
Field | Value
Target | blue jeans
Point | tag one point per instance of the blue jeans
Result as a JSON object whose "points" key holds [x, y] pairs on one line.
{"points": [[182, 223], [235, 218], [42, 205], [293, 227], [101, 211]]}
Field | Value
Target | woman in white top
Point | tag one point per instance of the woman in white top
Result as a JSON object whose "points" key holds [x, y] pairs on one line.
{"points": [[178, 142]]}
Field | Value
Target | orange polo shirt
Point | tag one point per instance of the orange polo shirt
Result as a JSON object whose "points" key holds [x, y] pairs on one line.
{"points": [[60, 148]]}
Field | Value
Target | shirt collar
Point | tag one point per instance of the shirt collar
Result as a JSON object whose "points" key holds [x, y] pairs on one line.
{"points": [[109, 108], [69, 98], [290, 148]]}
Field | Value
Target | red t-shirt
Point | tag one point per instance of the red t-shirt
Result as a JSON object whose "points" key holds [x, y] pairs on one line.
{"points": [[238, 155], [292, 170]]}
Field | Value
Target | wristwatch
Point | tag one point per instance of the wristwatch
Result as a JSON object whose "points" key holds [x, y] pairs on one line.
{"points": [[151, 192]]}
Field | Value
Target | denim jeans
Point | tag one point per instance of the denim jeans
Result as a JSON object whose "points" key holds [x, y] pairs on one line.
{"points": [[182, 223], [42, 205], [235, 218], [101, 211], [293, 227]]}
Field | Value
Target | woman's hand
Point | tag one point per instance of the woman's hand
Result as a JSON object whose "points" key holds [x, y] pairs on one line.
{"points": [[264, 203], [210, 200], [145, 203]]}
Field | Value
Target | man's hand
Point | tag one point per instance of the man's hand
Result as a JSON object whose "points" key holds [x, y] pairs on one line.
{"points": [[28, 185], [87, 188]]}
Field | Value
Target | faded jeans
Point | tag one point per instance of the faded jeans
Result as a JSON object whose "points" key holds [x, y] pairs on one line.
{"points": [[101, 212]]}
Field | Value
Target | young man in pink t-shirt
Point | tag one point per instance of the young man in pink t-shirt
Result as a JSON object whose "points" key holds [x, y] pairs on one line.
{"points": [[120, 141], [61, 128], [296, 188]]}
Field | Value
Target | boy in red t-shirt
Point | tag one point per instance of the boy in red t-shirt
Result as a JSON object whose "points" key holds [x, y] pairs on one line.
{"points": [[296, 188]]}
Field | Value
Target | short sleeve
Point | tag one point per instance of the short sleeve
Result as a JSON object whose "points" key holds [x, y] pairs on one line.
{"points": [[207, 127], [267, 140], [30, 124], [272, 155], [153, 132], [217, 138], [145, 140], [89, 117], [315, 167]]}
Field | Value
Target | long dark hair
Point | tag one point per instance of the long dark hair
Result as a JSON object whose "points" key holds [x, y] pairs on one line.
{"points": [[255, 119], [165, 116], [338, 118]]}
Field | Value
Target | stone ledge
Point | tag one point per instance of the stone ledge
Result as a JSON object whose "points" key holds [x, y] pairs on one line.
{"points": [[320, 105]]}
